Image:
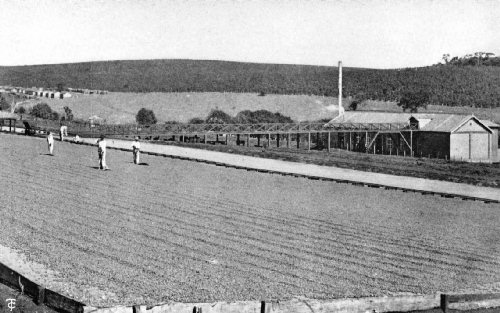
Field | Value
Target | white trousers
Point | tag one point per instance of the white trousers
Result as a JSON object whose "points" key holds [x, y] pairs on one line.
{"points": [[102, 160], [137, 154]]}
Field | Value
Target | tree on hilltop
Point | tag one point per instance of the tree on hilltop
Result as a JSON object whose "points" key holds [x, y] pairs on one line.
{"points": [[146, 117]]}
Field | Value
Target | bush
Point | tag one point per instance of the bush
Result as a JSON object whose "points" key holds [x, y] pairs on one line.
{"points": [[414, 100], [4, 105], [145, 117], [261, 116], [42, 110], [196, 120], [218, 117], [20, 110], [68, 113], [54, 116]]}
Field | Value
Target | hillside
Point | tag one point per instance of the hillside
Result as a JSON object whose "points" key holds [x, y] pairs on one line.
{"points": [[477, 86]]}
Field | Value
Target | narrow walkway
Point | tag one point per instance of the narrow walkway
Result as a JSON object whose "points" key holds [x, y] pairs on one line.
{"points": [[447, 189]]}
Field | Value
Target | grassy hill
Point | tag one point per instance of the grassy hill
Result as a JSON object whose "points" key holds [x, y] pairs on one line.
{"points": [[122, 107], [477, 86]]}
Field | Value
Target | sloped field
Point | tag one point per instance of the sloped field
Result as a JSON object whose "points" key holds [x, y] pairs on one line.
{"points": [[185, 231]]}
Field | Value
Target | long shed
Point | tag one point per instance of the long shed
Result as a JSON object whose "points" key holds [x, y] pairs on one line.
{"points": [[451, 136]]}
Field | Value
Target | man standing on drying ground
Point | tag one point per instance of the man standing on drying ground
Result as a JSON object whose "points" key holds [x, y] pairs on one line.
{"points": [[136, 149], [50, 142], [101, 150]]}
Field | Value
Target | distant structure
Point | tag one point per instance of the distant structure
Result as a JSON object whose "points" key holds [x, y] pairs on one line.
{"points": [[51, 93]]}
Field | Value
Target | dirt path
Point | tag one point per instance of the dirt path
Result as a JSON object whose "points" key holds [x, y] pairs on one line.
{"points": [[413, 183]]}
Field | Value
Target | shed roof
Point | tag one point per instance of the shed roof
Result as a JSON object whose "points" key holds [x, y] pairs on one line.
{"points": [[372, 117], [8, 116], [442, 122], [490, 124]]}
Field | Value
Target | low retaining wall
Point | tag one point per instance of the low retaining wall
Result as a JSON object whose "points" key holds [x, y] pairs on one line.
{"points": [[405, 303], [39, 294]]}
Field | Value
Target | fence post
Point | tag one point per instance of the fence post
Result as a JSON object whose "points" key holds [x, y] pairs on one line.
{"points": [[329, 141], [444, 303], [40, 295], [138, 309]]}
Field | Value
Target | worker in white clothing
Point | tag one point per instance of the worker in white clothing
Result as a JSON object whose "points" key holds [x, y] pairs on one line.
{"points": [[50, 142], [63, 132], [136, 149], [101, 150]]}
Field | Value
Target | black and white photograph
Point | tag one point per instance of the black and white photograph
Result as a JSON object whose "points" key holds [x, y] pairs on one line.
{"points": [[246, 156]]}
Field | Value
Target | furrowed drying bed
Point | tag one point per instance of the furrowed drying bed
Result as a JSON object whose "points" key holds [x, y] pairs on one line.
{"points": [[175, 230]]}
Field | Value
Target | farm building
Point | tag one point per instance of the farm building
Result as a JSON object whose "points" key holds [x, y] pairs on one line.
{"points": [[7, 121], [448, 136]]}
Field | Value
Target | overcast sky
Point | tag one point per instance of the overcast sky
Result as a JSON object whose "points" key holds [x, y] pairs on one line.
{"points": [[363, 33]]}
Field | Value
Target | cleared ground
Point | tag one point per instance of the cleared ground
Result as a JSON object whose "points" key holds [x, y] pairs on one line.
{"points": [[122, 107], [185, 231]]}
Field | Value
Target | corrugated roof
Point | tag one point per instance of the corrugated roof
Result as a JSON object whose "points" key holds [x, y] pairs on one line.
{"points": [[443, 122], [436, 122], [372, 117]]}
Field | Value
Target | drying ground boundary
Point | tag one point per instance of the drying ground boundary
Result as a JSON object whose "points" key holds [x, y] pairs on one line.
{"points": [[405, 303], [316, 172]]}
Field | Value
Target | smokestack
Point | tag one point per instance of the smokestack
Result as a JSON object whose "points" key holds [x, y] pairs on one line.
{"points": [[341, 108], [340, 84]]}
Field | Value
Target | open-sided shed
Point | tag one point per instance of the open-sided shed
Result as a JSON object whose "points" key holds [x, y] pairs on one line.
{"points": [[8, 119], [451, 136]]}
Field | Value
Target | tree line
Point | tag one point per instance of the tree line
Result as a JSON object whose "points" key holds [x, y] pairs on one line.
{"points": [[216, 116], [472, 59], [465, 85]]}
